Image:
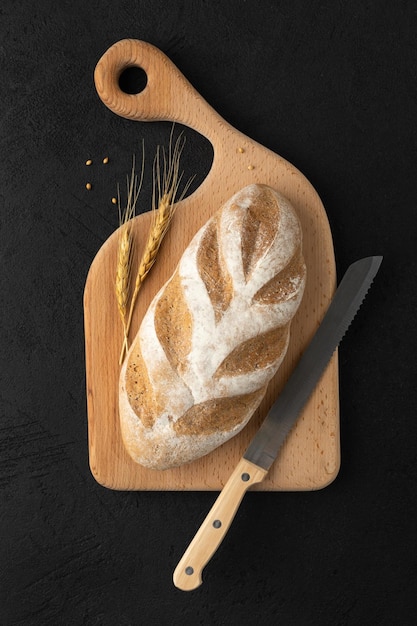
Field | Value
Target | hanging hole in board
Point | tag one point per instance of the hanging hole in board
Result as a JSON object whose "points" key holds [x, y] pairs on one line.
{"points": [[133, 80]]}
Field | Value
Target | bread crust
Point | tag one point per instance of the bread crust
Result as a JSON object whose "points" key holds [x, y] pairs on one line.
{"points": [[215, 334]]}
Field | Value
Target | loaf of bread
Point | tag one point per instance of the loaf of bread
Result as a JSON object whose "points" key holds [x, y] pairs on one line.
{"points": [[215, 334]]}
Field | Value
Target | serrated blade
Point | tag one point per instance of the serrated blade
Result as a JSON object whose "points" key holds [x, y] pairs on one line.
{"points": [[266, 444]]}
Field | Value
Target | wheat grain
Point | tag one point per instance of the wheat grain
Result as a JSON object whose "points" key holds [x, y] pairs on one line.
{"points": [[160, 224], [123, 269]]}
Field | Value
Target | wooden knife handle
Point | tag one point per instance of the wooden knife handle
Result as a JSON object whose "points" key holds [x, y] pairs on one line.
{"points": [[167, 96], [188, 573]]}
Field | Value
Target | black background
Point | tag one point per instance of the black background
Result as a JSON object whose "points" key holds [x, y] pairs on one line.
{"points": [[332, 87]]}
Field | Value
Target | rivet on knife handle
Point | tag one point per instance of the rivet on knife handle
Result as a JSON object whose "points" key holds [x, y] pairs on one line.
{"points": [[187, 575], [265, 446]]}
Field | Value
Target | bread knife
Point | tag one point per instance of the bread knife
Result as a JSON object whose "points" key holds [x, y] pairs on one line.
{"points": [[265, 446]]}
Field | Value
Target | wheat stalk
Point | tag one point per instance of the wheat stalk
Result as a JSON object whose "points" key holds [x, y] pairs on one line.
{"points": [[166, 182], [125, 245]]}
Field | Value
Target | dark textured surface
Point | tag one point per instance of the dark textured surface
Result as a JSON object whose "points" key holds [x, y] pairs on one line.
{"points": [[332, 87]]}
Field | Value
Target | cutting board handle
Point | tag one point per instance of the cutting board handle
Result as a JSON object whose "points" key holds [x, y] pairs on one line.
{"points": [[167, 96]]}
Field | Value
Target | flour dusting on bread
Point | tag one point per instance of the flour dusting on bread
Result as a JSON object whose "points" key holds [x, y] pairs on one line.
{"points": [[215, 334]]}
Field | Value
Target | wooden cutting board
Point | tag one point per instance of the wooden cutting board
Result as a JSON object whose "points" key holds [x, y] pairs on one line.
{"points": [[311, 455]]}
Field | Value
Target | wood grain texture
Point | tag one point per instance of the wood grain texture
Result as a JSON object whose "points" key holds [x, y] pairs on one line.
{"points": [[311, 455], [188, 573]]}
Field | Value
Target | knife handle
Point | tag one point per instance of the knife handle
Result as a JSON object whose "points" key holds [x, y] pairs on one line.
{"points": [[187, 574]]}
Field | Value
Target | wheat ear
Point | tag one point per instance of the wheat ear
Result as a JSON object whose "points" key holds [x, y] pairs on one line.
{"points": [[125, 246], [166, 181]]}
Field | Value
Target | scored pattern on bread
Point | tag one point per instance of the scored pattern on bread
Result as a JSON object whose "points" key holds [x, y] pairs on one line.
{"points": [[216, 332]]}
